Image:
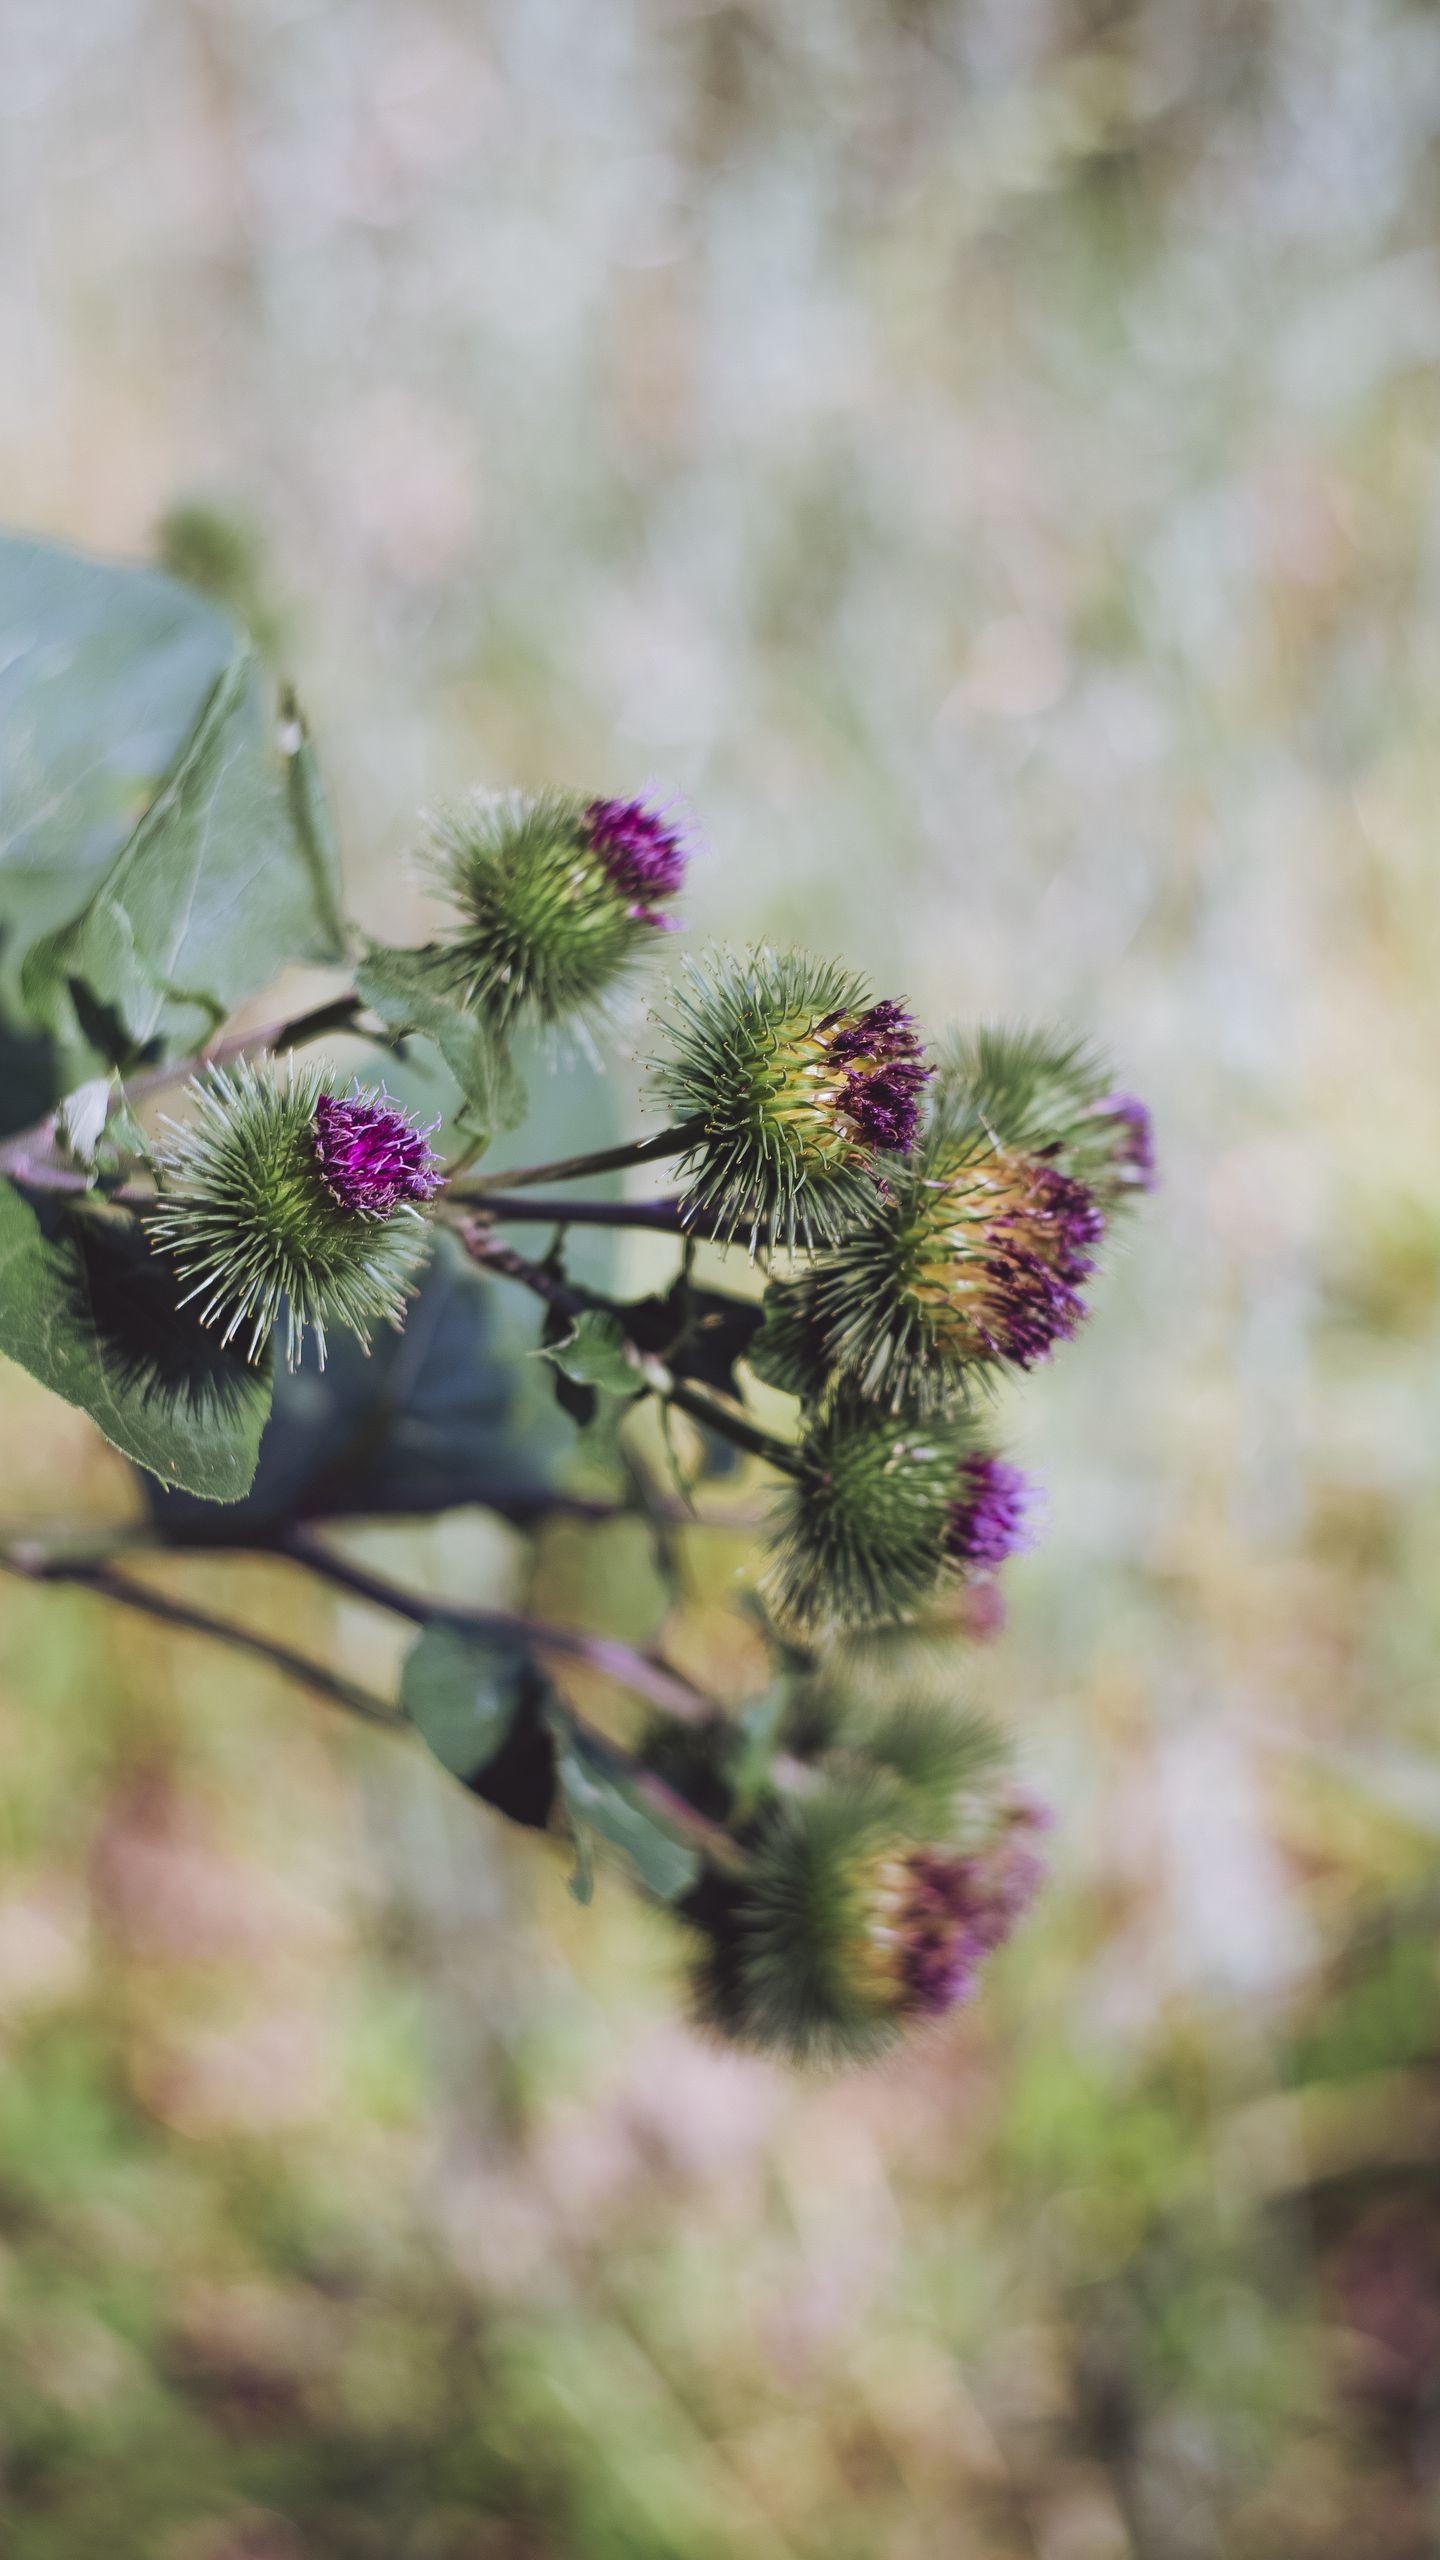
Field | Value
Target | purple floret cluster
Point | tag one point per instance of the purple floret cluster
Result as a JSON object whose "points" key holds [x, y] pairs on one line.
{"points": [[884, 1075], [958, 1910], [643, 852], [989, 1518], [372, 1156], [1039, 1253]]}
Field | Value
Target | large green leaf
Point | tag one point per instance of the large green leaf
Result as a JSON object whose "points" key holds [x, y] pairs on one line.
{"points": [[104, 672], [227, 879], [91, 1313], [446, 1413]]}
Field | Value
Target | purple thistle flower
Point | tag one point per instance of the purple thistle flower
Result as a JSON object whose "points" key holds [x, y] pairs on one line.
{"points": [[372, 1157], [884, 1074], [990, 1514], [1134, 1139], [948, 1913], [644, 856]]}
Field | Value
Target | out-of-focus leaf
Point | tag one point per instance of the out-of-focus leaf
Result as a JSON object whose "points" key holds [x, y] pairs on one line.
{"points": [[598, 1790], [461, 1691], [228, 877], [433, 1418], [409, 992], [94, 1315], [595, 1354], [483, 1705]]}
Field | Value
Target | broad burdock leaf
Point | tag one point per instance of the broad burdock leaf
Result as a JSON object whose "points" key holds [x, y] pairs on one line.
{"points": [[94, 1315], [228, 878], [104, 672], [414, 991]]}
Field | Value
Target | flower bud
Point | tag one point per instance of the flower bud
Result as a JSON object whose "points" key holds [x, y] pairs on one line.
{"points": [[283, 1192], [878, 1513], [848, 1926], [555, 897], [801, 1089]]}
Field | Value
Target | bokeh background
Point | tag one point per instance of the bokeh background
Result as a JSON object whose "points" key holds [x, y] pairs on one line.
{"points": [[984, 453]]}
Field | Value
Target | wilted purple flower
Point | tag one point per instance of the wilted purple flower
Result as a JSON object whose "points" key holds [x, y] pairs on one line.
{"points": [[1133, 1132], [989, 1516], [644, 854], [943, 1913], [372, 1156], [884, 1073]]}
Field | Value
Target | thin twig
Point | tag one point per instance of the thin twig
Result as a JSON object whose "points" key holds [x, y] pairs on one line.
{"points": [[31, 1565], [703, 1404], [670, 1142], [619, 1662]]}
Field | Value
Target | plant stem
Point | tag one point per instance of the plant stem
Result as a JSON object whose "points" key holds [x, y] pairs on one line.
{"points": [[702, 1403], [661, 1217], [31, 1565], [25, 1157], [619, 1662], [670, 1142]]}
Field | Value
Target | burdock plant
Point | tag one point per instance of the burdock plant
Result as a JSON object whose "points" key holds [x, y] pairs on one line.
{"points": [[844, 1846]]}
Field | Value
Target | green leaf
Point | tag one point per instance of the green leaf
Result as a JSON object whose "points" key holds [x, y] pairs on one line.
{"points": [[228, 877], [444, 1414], [483, 1706], [595, 1353], [597, 1785], [462, 1691], [104, 672], [94, 1315], [410, 992]]}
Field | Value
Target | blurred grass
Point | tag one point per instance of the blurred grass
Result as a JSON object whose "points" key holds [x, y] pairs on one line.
{"points": [[985, 454]]}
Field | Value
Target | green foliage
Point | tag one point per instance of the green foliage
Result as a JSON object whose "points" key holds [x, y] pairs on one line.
{"points": [[228, 877], [414, 991], [601, 1793]]}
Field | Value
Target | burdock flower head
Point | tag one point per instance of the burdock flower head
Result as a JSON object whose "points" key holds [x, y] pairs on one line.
{"points": [[848, 1925], [879, 1513], [282, 1192], [796, 1089], [554, 897], [978, 1257]]}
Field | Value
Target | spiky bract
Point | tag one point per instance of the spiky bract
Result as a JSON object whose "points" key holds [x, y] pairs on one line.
{"points": [[1041, 1095], [555, 897], [251, 1214], [851, 1921], [799, 1088], [872, 1520]]}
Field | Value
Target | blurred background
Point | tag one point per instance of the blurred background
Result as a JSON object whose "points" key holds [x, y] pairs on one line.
{"points": [[983, 452]]}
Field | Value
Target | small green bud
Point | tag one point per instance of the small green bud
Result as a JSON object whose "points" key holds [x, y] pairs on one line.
{"points": [[555, 897], [284, 1192]]}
